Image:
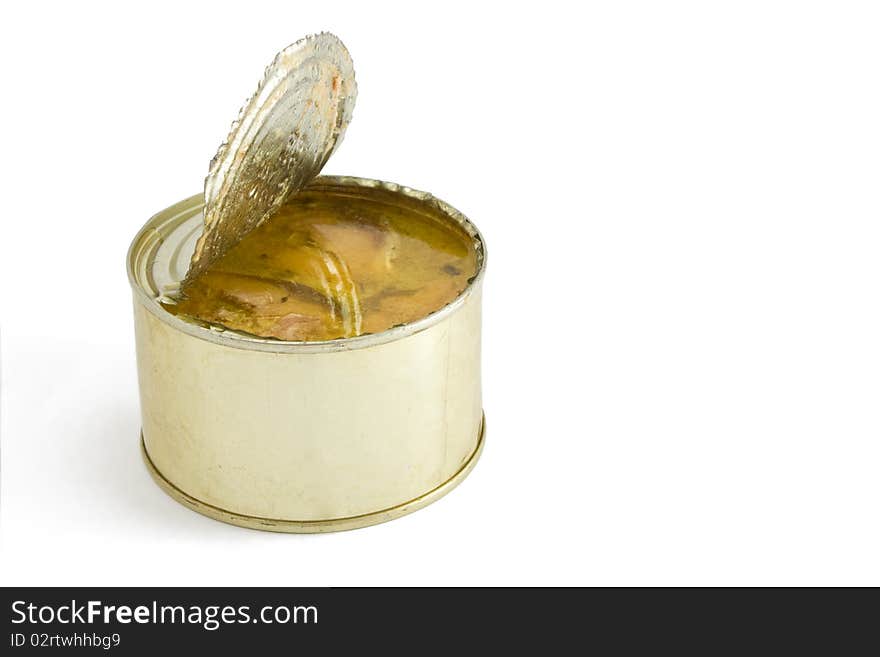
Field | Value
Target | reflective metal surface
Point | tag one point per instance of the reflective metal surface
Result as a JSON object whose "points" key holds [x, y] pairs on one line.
{"points": [[315, 526], [280, 141], [304, 436]]}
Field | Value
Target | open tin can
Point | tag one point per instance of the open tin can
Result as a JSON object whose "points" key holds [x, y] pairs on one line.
{"points": [[310, 435], [304, 436]]}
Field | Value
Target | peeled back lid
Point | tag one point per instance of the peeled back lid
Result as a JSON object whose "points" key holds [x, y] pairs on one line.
{"points": [[283, 136]]}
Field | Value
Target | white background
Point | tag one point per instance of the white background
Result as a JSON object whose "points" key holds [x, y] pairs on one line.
{"points": [[682, 332]]}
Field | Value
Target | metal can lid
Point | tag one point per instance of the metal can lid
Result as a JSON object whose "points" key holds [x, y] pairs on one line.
{"points": [[283, 136]]}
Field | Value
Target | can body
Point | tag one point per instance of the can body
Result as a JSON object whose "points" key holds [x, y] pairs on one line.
{"points": [[304, 436]]}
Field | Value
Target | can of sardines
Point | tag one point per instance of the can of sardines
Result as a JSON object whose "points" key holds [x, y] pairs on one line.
{"points": [[308, 346]]}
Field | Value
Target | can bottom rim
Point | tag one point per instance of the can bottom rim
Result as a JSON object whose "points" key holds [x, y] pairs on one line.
{"points": [[316, 526]]}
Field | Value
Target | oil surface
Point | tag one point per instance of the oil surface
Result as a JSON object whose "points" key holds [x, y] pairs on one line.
{"points": [[330, 266]]}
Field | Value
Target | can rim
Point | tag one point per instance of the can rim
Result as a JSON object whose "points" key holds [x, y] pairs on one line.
{"points": [[318, 525], [238, 340]]}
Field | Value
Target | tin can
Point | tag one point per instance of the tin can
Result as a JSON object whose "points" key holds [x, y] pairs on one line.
{"points": [[304, 436]]}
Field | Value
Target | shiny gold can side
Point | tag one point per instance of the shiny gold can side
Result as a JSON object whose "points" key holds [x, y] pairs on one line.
{"points": [[304, 437]]}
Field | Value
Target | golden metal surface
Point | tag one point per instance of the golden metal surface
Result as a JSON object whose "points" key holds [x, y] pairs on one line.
{"points": [[316, 526], [282, 138], [320, 432]]}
